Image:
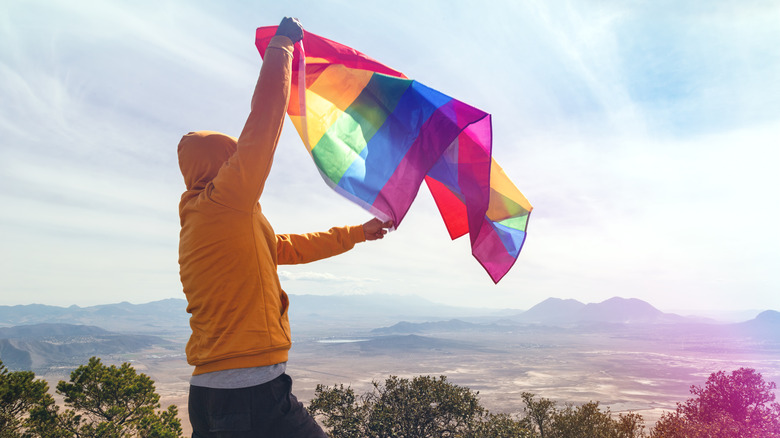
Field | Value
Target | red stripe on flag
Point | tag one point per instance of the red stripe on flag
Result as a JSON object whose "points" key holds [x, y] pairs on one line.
{"points": [[451, 208]]}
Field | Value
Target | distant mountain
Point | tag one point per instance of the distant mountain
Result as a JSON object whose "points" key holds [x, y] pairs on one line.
{"points": [[169, 317], [453, 325], [766, 326], [46, 331], [159, 317], [372, 307], [625, 310], [318, 315], [41, 346], [619, 318], [555, 311], [551, 311], [374, 304]]}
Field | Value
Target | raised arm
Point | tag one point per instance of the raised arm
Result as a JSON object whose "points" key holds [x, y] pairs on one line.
{"points": [[240, 183]]}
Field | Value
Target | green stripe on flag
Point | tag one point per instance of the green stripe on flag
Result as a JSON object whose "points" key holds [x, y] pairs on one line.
{"points": [[377, 101], [345, 139], [517, 222], [339, 147]]}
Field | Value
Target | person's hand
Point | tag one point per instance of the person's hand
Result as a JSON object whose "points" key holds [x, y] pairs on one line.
{"points": [[291, 28], [376, 229]]}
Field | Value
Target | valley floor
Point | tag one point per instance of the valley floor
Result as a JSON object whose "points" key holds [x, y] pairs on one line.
{"points": [[643, 372]]}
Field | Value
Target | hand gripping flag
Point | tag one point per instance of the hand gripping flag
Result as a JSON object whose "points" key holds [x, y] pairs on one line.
{"points": [[375, 135]]}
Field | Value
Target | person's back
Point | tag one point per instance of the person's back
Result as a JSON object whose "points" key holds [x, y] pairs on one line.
{"points": [[227, 249], [228, 256]]}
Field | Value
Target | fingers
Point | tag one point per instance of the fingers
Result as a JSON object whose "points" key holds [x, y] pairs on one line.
{"points": [[291, 28], [380, 234], [376, 229]]}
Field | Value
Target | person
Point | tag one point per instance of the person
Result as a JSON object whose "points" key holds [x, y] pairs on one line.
{"points": [[228, 256]]}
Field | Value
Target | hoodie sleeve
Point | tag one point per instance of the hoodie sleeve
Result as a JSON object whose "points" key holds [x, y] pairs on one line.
{"points": [[241, 180], [292, 249]]}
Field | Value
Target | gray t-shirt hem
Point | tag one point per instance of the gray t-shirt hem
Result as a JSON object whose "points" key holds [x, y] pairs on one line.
{"points": [[239, 378]]}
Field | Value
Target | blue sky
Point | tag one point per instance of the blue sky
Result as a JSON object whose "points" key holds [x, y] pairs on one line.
{"points": [[644, 133]]}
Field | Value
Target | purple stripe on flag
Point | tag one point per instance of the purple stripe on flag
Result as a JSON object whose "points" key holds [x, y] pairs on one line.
{"points": [[491, 253], [435, 137], [474, 173]]}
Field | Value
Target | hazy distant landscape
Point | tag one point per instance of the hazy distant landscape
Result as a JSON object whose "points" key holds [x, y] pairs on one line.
{"points": [[622, 352]]}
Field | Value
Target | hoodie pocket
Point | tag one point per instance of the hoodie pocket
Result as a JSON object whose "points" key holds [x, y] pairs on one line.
{"points": [[284, 320]]}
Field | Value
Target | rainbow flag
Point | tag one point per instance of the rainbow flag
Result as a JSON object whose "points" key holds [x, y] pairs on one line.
{"points": [[375, 135]]}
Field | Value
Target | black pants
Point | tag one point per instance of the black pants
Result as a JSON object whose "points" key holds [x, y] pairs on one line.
{"points": [[267, 410]]}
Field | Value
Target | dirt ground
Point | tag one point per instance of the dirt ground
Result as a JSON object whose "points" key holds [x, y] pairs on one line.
{"points": [[647, 376]]}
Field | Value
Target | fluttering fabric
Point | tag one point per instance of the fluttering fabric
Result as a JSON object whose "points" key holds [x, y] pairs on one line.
{"points": [[375, 135]]}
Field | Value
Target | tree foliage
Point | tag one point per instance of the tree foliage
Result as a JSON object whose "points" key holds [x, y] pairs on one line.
{"points": [[546, 420], [421, 407], [588, 420], [20, 393], [116, 402], [538, 413], [429, 407], [102, 401], [740, 404]]}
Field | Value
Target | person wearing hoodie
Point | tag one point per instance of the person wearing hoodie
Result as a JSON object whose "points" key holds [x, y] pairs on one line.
{"points": [[228, 258]]}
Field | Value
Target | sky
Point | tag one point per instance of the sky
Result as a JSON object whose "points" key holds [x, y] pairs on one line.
{"points": [[646, 134]]}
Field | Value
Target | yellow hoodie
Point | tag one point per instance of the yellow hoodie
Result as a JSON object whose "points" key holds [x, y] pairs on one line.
{"points": [[228, 252]]}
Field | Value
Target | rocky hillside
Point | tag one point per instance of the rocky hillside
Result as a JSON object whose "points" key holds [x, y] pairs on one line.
{"points": [[39, 347]]}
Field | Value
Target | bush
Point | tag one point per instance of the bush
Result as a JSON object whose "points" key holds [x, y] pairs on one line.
{"points": [[105, 402], [431, 407], [586, 420], [737, 405], [421, 407], [20, 393]]}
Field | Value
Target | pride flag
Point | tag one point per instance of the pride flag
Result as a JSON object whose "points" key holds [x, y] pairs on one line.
{"points": [[375, 135]]}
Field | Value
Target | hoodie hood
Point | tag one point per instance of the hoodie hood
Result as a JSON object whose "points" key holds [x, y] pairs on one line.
{"points": [[201, 155]]}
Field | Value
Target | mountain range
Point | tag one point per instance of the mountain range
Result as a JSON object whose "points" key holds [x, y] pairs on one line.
{"points": [[169, 317], [43, 346], [39, 336], [555, 311], [158, 317]]}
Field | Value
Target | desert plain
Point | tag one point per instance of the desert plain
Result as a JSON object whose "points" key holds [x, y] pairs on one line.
{"points": [[624, 369]]}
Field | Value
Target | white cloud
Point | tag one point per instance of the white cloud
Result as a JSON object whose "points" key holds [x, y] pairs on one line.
{"points": [[644, 134], [320, 276]]}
